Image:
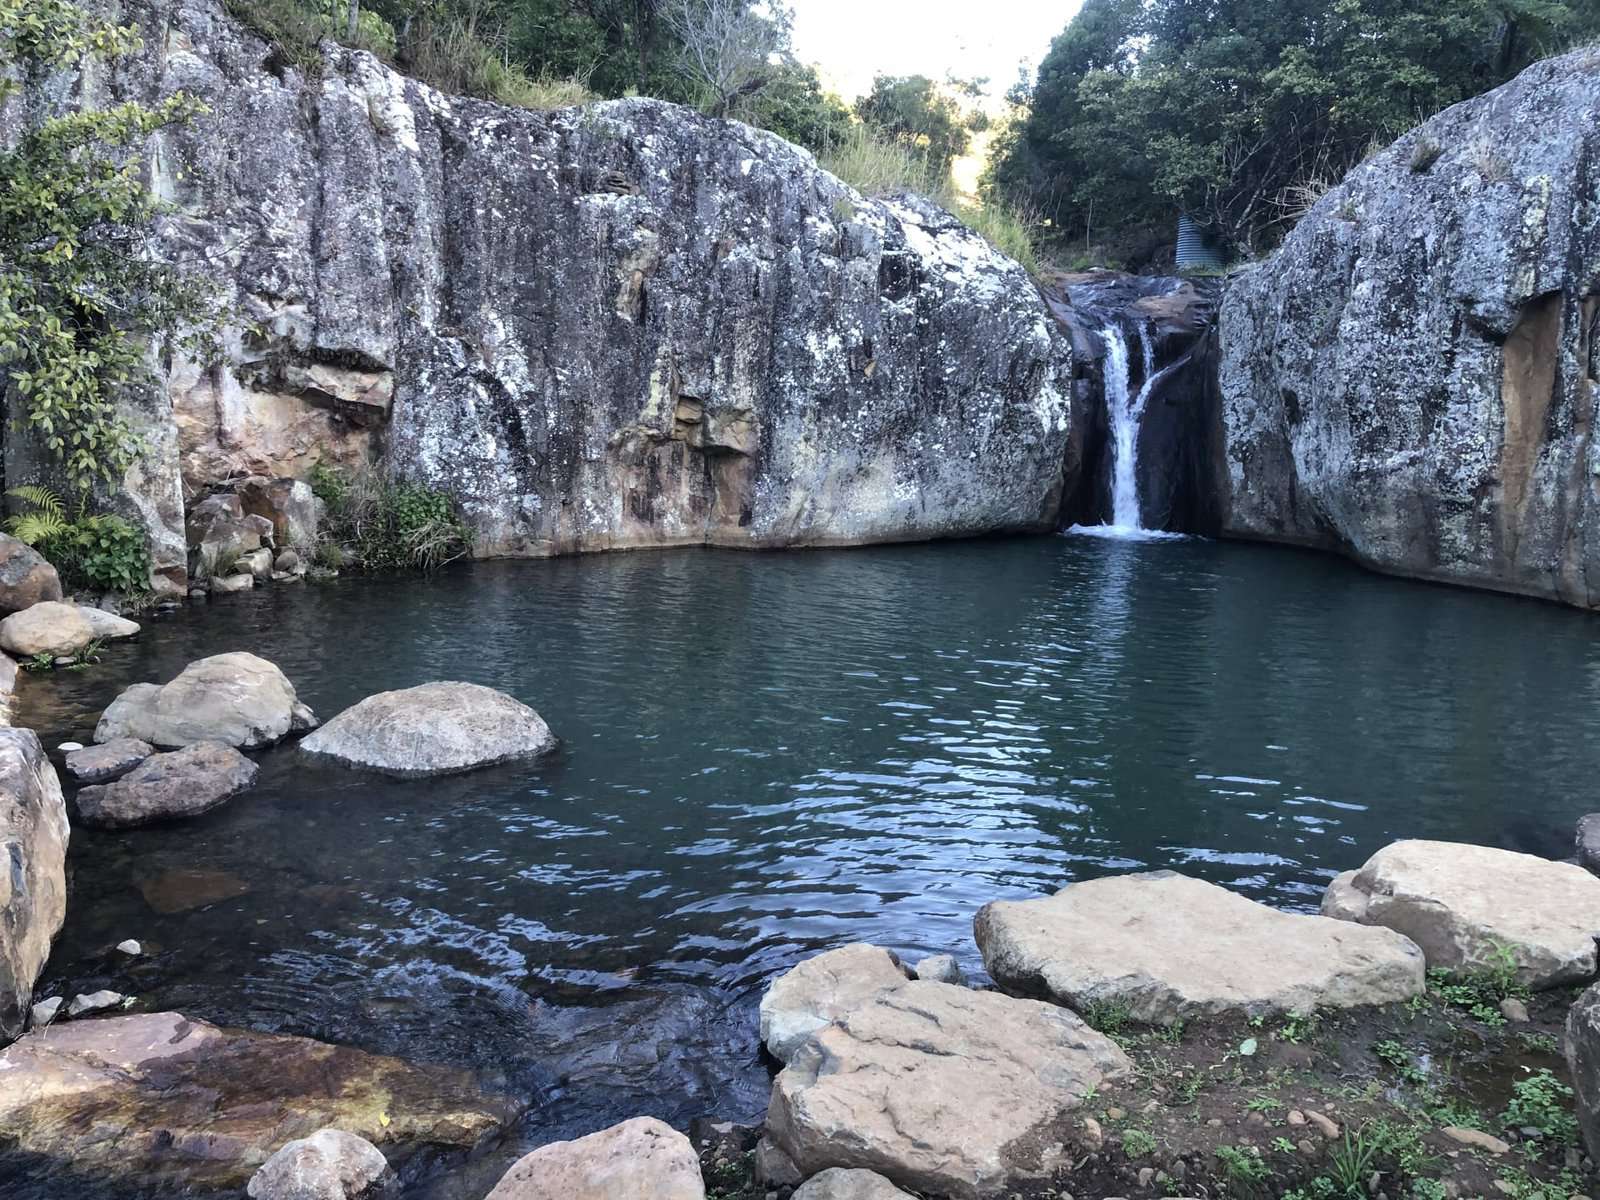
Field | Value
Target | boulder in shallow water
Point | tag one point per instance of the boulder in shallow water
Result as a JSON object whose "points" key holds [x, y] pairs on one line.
{"points": [[820, 989], [50, 627], [33, 885], [1587, 843], [1170, 948], [840, 1183], [1472, 907], [107, 761], [237, 699], [940, 1089], [641, 1159], [182, 1104], [329, 1165], [108, 626], [26, 578], [186, 889], [164, 787], [432, 729]]}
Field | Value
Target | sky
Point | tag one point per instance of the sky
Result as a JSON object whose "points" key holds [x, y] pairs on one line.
{"points": [[851, 40]]}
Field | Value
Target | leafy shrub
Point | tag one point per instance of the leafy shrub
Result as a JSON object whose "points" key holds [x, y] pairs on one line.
{"points": [[97, 551], [375, 523], [1543, 1102]]}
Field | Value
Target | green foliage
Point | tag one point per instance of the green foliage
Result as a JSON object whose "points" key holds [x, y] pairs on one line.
{"points": [[1543, 1102], [913, 112], [1480, 991], [1138, 1143], [1244, 1164], [375, 523], [1229, 111], [78, 294], [98, 551], [1351, 1161]]}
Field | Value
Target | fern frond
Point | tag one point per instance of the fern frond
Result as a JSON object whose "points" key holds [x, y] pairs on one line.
{"points": [[47, 519]]}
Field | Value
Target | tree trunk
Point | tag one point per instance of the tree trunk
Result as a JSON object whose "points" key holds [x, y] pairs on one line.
{"points": [[355, 17]]}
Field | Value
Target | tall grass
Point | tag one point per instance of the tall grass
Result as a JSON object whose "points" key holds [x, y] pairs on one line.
{"points": [[875, 166]]}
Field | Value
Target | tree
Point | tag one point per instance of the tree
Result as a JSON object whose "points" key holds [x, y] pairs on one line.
{"points": [[728, 48], [913, 111], [80, 296], [1227, 109]]}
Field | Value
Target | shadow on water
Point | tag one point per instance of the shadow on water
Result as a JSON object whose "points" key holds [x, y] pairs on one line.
{"points": [[767, 755]]}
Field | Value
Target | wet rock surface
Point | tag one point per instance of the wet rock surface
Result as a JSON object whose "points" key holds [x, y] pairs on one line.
{"points": [[108, 760], [1476, 907], [1409, 380], [820, 990], [180, 1103], [237, 699], [638, 1159], [940, 1089], [432, 729], [33, 881], [1169, 948], [170, 786]]}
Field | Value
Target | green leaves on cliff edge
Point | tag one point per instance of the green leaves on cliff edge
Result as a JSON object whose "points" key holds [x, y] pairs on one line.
{"points": [[81, 296]]}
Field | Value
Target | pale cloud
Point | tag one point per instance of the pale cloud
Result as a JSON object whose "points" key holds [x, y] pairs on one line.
{"points": [[851, 40]]}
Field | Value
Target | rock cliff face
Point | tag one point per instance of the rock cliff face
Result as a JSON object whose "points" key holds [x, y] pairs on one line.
{"points": [[610, 326], [1410, 379]]}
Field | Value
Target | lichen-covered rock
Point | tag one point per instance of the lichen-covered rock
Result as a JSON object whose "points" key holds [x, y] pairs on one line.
{"points": [[181, 1105], [941, 1090], [1169, 948], [329, 1165], [25, 577], [237, 699], [49, 627], [432, 729], [618, 325], [33, 883], [1476, 907], [167, 787], [809, 996], [1410, 378], [641, 1159]]}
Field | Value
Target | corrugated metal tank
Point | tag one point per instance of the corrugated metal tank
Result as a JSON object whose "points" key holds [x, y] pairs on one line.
{"points": [[1195, 249]]}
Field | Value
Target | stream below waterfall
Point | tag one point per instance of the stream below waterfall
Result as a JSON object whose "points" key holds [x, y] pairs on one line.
{"points": [[765, 755]]}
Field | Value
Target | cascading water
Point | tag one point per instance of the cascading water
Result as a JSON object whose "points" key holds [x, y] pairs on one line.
{"points": [[1124, 412]]}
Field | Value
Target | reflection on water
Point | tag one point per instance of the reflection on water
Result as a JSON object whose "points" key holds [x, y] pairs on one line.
{"points": [[764, 755]]}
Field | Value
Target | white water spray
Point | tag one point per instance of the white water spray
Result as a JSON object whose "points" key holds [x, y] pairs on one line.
{"points": [[1125, 413]]}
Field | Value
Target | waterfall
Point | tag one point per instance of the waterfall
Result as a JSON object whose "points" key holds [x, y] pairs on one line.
{"points": [[1123, 413]]}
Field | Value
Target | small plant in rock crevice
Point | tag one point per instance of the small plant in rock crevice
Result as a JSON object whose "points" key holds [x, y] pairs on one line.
{"points": [[376, 523], [100, 551], [1480, 991]]}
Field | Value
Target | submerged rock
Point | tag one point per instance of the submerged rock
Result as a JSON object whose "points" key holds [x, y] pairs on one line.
{"points": [[186, 890], [329, 1165], [49, 627], [641, 1159], [941, 1089], [432, 729], [1409, 379], [182, 1104], [26, 578], [1169, 948], [819, 990], [164, 787], [33, 881], [237, 699], [1475, 907], [107, 761], [674, 331]]}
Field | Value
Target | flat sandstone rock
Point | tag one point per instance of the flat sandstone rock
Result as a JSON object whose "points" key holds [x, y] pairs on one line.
{"points": [[940, 1089], [432, 729], [1170, 947], [812, 994], [177, 1103], [641, 1159], [1466, 906]]}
